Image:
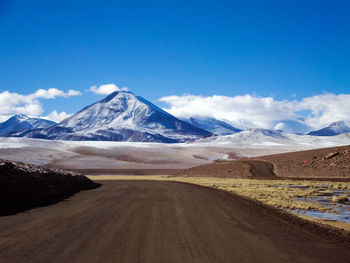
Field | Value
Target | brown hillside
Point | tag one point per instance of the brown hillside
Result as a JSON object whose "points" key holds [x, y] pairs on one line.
{"points": [[320, 163]]}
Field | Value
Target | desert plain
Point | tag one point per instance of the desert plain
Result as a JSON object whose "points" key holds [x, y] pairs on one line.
{"points": [[184, 203]]}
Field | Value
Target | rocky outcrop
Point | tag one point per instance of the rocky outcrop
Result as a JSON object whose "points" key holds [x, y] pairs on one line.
{"points": [[331, 155]]}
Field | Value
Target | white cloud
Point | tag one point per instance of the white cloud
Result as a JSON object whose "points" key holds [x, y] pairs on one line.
{"points": [[264, 112], [53, 93], [57, 117], [242, 111], [72, 93], [325, 109], [12, 103], [280, 126], [107, 89]]}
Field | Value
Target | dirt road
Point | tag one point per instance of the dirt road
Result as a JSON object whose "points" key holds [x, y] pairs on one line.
{"points": [[260, 169], [145, 221]]}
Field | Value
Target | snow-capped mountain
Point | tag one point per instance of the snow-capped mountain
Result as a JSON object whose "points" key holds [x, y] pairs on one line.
{"points": [[251, 137], [21, 123], [122, 116], [213, 125], [334, 128], [270, 138]]}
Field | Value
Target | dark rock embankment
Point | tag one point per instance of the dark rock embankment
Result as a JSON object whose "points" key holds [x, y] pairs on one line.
{"points": [[24, 186]]}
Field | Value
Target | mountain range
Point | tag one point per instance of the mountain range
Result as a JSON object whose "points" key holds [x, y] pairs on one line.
{"points": [[251, 136], [334, 128], [213, 125], [271, 138], [22, 123], [123, 116]]}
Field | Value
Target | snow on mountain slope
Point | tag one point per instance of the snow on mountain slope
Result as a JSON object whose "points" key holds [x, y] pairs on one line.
{"points": [[122, 116], [334, 128], [262, 137], [253, 136], [20, 123], [213, 125]]}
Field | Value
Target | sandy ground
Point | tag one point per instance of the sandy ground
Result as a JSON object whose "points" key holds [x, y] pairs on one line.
{"points": [[145, 221], [107, 156]]}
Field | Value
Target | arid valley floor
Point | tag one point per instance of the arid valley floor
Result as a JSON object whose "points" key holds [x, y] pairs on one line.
{"points": [[184, 203]]}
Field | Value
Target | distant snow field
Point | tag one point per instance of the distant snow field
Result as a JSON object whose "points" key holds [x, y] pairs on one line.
{"points": [[144, 155]]}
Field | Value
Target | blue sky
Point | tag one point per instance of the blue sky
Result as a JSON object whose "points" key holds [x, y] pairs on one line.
{"points": [[288, 50]]}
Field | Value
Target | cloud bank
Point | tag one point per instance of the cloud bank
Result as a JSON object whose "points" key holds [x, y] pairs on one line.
{"points": [[57, 117], [106, 89], [12, 103], [249, 111]]}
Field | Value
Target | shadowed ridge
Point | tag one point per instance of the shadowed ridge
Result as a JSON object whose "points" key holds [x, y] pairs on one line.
{"points": [[24, 186]]}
